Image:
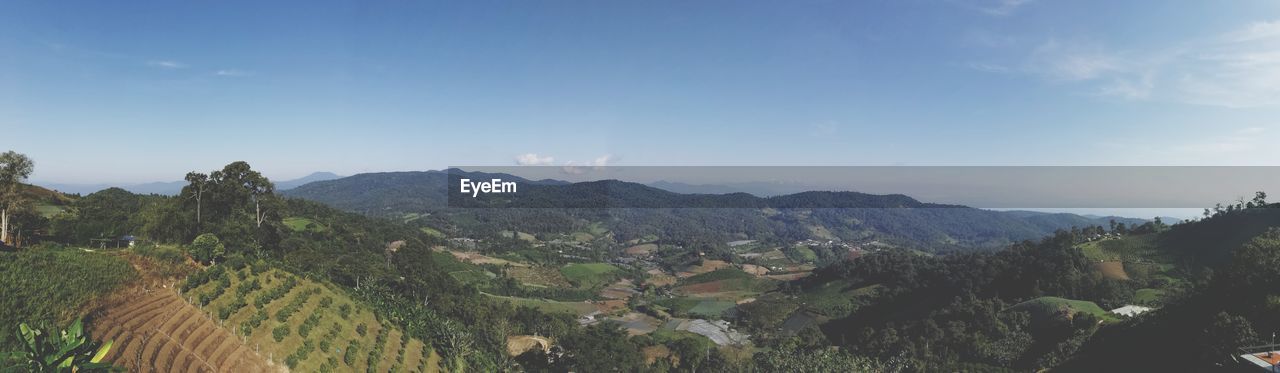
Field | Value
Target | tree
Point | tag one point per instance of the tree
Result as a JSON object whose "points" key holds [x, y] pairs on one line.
{"points": [[197, 181], [1226, 334], [68, 350], [1260, 199], [14, 169], [206, 248]]}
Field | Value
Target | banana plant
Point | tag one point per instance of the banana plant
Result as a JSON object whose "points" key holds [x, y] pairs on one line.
{"points": [[68, 350]]}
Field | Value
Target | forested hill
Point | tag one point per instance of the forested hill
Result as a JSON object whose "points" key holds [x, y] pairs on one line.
{"points": [[850, 216]]}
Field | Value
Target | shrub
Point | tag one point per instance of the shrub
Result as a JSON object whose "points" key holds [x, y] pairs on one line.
{"points": [[344, 311], [304, 330], [362, 329], [280, 332], [298, 301], [207, 247], [231, 308], [353, 352], [252, 323], [275, 293], [248, 286]]}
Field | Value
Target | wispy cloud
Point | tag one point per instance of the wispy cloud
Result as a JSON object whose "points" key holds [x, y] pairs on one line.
{"points": [[1066, 61], [1003, 8], [166, 64], [1239, 68], [232, 73], [533, 159], [1255, 31]]}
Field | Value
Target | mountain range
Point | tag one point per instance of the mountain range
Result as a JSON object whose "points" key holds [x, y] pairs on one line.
{"points": [[634, 210], [171, 187]]}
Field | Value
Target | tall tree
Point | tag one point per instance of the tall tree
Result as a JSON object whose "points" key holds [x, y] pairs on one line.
{"points": [[14, 169], [197, 181]]}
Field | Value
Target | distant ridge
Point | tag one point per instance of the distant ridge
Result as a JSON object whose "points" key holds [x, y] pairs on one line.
{"points": [[171, 187]]}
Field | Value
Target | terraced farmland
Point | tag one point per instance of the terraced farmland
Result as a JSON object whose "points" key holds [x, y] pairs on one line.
{"points": [[245, 321], [157, 331]]}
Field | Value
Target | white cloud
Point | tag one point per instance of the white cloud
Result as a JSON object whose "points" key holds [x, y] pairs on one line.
{"points": [[603, 160], [166, 64], [576, 168], [1236, 69], [232, 72], [533, 159], [1255, 31]]}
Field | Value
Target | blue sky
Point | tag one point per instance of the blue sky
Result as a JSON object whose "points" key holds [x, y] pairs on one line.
{"points": [[101, 91]]}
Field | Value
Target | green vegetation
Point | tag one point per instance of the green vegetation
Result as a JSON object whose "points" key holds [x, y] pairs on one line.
{"points": [[1049, 307], [206, 247], [589, 275], [69, 350], [301, 224], [50, 285]]}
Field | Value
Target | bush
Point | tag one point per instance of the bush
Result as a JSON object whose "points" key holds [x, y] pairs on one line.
{"points": [[353, 352], [231, 308], [344, 311], [362, 329], [294, 305], [206, 248], [275, 293], [304, 330], [280, 332], [252, 323]]}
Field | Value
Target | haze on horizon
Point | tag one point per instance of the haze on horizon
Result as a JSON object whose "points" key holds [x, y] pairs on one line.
{"points": [[109, 92]]}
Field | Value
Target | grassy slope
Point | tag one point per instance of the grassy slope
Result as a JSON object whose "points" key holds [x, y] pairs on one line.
{"points": [[54, 285], [588, 274], [1045, 307], [262, 335]]}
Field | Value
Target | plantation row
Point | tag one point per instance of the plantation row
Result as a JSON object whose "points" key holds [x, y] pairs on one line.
{"points": [[158, 331], [305, 325]]}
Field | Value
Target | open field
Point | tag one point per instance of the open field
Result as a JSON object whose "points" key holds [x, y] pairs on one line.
{"points": [[1126, 249], [301, 224], [588, 274], [1046, 307], [837, 298], [576, 308], [538, 276], [1112, 270]]}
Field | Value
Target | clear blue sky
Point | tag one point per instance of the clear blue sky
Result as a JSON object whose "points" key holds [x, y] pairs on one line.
{"points": [[114, 91]]}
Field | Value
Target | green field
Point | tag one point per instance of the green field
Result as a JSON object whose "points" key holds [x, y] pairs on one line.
{"points": [[1046, 307], [576, 308], [301, 224], [588, 274], [711, 308], [1129, 248], [431, 232], [695, 307], [837, 298], [51, 285]]}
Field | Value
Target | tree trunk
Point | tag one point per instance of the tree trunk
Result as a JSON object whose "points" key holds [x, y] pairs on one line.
{"points": [[258, 213], [4, 226], [199, 195]]}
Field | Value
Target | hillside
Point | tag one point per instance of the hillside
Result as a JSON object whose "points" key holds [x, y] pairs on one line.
{"points": [[631, 211]]}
